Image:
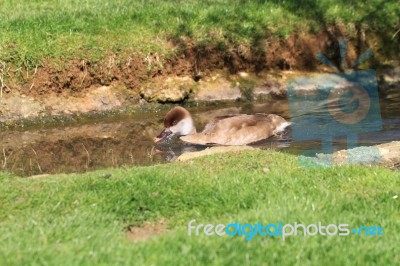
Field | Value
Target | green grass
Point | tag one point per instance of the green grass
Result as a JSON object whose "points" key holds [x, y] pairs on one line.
{"points": [[37, 31], [81, 219]]}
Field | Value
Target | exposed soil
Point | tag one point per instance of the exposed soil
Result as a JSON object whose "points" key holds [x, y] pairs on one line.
{"points": [[145, 232], [120, 82], [296, 53]]}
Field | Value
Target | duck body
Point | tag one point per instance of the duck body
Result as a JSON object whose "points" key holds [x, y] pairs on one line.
{"points": [[224, 130]]}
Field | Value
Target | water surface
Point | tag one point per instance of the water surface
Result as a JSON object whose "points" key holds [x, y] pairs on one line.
{"points": [[127, 139]]}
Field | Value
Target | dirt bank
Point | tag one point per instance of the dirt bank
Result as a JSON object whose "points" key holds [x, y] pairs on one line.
{"points": [[194, 73]]}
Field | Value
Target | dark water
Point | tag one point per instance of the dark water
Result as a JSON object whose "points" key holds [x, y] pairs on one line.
{"points": [[127, 140]]}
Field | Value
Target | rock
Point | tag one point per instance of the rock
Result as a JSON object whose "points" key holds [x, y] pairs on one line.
{"points": [[389, 81], [6, 89], [243, 74], [16, 106], [171, 90], [387, 154], [273, 85], [19, 107], [217, 88], [390, 153], [390, 76], [270, 88], [213, 150], [96, 100]]}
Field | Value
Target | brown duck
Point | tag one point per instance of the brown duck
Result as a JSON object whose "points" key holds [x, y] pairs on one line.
{"points": [[224, 130]]}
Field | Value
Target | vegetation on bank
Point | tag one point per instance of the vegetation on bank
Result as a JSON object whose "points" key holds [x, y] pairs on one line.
{"points": [[81, 219], [35, 32]]}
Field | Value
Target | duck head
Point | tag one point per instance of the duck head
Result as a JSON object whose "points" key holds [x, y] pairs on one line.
{"points": [[177, 122]]}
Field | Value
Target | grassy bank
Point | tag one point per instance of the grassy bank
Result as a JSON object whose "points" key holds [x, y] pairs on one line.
{"points": [[82, 219], [34, 32]]}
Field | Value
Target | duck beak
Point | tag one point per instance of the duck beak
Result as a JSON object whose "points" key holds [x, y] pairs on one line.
{"points": [[164, 134]]}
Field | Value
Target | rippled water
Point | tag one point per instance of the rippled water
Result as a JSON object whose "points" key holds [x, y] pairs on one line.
{"points": [[127, 140]]}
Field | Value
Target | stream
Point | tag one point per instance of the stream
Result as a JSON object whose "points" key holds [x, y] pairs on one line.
{"points": [[126, 139]]}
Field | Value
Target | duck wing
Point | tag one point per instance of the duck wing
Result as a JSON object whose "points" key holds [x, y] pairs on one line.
{"points": [[211, 126], [238, 129]]}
